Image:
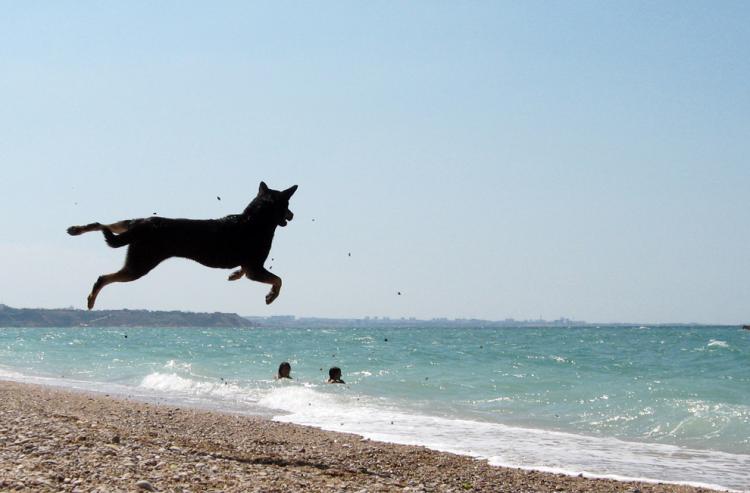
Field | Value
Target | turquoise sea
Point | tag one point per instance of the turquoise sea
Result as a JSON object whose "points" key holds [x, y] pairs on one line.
{"points": [[657, 403]]}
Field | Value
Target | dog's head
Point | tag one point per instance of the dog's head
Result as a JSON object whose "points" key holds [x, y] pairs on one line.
{"points": [[276, 202]]}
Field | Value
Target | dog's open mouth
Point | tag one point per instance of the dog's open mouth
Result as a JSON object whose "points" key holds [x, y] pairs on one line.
{"points": [[289, 217]]}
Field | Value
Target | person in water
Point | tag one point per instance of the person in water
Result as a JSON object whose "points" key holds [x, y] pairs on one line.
{"points": [[284, 370], [334, 375]]}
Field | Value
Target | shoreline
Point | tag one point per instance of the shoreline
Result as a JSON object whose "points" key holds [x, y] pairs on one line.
{"points": [[54, 439]]}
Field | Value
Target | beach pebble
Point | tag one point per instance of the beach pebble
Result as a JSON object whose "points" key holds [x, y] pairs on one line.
{"points": [[145, 485]]}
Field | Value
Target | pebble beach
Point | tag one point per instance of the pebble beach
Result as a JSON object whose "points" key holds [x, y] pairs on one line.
{"points": [[60, 440]]}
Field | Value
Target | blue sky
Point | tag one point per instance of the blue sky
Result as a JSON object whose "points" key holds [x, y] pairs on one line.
{"points": [[486, 159]]}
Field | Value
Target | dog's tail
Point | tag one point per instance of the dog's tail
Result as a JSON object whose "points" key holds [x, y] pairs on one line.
{"points": [[116, 241]]}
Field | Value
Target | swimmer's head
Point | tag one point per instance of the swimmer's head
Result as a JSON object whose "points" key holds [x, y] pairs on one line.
{"points": [[334, 373], [284, 370]]}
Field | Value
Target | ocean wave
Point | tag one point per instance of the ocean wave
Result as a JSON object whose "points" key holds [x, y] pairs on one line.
{"points": [[181, 365], [173, 384], [717, 343], [8, 374], [363, 373], [341, 410]]}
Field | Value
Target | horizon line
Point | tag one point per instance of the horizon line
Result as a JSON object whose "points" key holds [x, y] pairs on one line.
{"points": [[562, 321]]}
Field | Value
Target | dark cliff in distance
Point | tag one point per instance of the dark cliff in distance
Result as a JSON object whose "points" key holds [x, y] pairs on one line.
{"points": [[68, 317]]}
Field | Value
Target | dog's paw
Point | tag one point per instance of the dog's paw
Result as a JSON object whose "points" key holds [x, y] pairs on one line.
{"points": [[272, 295], [90, 301], [75, 230], [235, 275]]}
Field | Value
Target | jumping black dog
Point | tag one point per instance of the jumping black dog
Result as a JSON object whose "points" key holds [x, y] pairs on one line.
{"points": [[239, 240]]}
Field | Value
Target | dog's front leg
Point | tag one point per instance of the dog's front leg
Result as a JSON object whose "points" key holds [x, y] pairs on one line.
{"points": [[262, 275]]}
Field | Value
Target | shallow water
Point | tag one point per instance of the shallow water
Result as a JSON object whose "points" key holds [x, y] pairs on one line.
{"points": [[663, 403]]}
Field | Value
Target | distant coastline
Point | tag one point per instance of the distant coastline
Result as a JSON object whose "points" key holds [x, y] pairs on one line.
{"points": [[322, 322], [315, 322], [70, 317]]}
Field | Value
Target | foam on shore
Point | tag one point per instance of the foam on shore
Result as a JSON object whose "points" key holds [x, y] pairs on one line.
{"points": [[54, 439], [338, 408]]}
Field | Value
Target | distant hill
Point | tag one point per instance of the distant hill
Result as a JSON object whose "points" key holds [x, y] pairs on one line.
{"points": [[68, 317]]}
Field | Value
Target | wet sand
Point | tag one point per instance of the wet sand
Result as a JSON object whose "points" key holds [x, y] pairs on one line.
{"points": [[58, 440]]}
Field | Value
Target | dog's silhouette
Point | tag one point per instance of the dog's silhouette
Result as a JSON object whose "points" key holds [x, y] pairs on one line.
{"points": [[240, 240]]}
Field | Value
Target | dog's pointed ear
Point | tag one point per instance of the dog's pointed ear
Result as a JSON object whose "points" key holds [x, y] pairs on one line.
{"points": [[263, 189], [289, 191]]}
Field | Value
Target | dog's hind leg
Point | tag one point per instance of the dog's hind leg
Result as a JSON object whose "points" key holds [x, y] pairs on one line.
{"points": [[117, 228], [236, 275], [262, 275], [122, 275], [139, 262]]}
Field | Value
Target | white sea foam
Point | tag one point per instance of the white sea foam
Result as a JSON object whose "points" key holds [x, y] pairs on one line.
{"points": [[339, 410], [363, 373], [160, 387], [7, 374], [174, 385], [70, 383], [717, 343], [181, 365]]}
